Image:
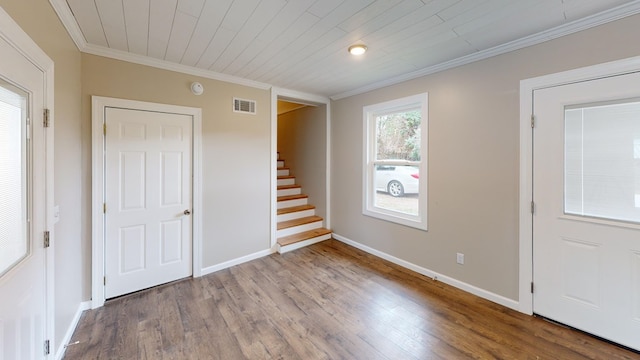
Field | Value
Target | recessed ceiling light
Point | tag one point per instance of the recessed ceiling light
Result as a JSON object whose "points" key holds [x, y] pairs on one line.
{"points": [[357, 49]]}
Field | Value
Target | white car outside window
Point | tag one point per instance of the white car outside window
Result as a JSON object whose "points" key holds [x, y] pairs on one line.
{"points": [[397, 180]]}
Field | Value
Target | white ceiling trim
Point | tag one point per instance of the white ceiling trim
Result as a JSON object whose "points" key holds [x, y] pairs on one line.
{"points": [[64, 13], [166, 65], [66, 16], [622, 11], [604, 17]]}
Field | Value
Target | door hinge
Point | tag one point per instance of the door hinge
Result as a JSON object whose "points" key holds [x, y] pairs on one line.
{"points": [[46, 239], [47, 348], [104, 280], [104, 129], [45, 117], [532, 287], [104, 208], [533, 121], [533, 207]]}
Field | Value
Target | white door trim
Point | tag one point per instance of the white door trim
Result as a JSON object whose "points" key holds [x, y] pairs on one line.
{"points": [[20, 40], [307, 98], [98, 105], [527, 87]]}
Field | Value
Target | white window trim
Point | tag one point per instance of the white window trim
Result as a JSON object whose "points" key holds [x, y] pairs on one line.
{"points": [[368, 206]]}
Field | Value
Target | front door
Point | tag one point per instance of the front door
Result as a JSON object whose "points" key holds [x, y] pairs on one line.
{"points": [[23, 205], [148, 199], [586, 224]]}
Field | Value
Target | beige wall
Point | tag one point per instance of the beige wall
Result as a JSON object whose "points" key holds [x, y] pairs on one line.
{"points": [[39, 21], [302, 143], [235, 150], [473, 158]]}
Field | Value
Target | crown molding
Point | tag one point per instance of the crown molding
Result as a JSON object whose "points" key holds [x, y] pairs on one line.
{"points": [[588, 22], [166, 65], [66, 16], [68, 20]]}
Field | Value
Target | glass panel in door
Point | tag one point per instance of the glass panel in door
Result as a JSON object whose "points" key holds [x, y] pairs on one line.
{"points": [[14, 244], [602, 161]]}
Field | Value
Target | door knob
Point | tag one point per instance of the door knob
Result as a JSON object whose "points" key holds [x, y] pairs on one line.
{"points": [[187, 212]]}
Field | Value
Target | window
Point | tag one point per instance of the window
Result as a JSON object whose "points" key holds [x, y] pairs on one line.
{"points": [[14, 242], [395, 161], [602, 161]]}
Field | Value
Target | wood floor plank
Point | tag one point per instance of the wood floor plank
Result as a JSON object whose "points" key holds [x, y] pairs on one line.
{"points": [[325, 301]]}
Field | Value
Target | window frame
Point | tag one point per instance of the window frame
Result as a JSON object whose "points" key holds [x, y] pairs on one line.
{"points": [[369, 162]]}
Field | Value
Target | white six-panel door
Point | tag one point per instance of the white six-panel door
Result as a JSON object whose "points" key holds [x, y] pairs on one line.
{"points": [[148, 199], [586, 224]]}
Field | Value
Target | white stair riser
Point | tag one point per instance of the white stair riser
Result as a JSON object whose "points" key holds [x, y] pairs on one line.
{"points": [[291, 203], [296, 215], [299, 229], [283, 172], [301, 244], [280, 163], [293, 191], [286, 181]]}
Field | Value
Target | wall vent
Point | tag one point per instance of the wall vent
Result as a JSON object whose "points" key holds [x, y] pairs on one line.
{"points": [[244, 106]]}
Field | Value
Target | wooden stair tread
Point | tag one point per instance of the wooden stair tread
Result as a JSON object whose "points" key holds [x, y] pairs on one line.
{"points": [[293, 209], [292, 197], [283, 168], [292, 239], [285, 187], [280, 177], [297, 222]]}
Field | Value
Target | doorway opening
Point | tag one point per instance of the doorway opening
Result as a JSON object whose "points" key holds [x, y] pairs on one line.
{"points": [[301, 175]]}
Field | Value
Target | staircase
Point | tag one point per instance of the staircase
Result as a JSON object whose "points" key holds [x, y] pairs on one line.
{"points": [[298, 225]]}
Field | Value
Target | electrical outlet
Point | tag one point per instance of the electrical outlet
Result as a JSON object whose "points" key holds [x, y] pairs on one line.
{"points": [[460, 258]]}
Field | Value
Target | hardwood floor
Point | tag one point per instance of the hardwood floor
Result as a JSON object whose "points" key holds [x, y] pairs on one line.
{"points": [[326, 301]]}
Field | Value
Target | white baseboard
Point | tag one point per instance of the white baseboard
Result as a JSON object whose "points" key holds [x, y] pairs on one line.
{"points": [[499, 299], [85, 305], [240, 260]]}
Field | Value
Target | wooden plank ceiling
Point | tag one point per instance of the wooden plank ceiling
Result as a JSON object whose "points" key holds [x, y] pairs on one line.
{"points": [[302, 44]]}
